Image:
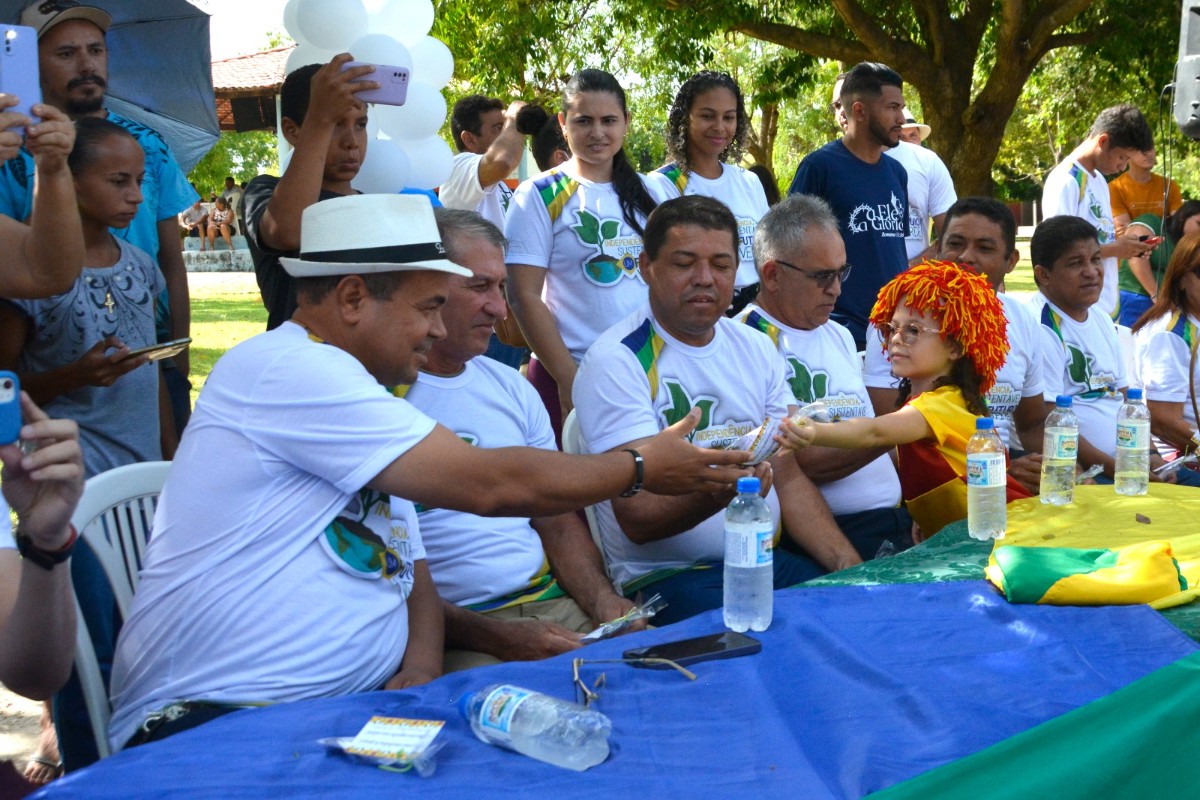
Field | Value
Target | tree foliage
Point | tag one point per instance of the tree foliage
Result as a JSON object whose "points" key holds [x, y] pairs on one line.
{"points": [[242, 155]]}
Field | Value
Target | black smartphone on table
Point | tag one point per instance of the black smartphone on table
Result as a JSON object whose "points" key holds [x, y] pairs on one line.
{"points": [[702, 648]]}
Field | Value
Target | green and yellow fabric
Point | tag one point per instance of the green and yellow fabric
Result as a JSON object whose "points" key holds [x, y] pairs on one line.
{"points": [[1138, 573], [1102, 520]]}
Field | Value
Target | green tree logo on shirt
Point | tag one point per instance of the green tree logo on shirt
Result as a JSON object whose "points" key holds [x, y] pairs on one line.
{"points": [[681, 404], [1080, 368], [603, 269], [808, 387]]}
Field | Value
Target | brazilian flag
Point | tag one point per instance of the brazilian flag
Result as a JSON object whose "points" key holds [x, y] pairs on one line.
{"points": [[1138, 573]]}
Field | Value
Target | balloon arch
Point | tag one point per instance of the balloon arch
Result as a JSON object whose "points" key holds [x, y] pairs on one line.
{"points": [[405, 149]]}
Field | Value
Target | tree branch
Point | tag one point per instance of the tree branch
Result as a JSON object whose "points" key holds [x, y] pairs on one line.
{"points": [[817, 44]]}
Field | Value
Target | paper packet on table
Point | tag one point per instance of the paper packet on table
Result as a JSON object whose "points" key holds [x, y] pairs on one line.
{"points": [[393, 743], [760, 442]]}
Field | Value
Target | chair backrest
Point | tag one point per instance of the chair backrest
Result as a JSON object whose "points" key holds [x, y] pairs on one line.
{"points": [[114, 518], [571, 444]]}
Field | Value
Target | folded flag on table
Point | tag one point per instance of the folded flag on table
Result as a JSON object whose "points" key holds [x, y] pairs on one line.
{"points": [[1138, 573]]}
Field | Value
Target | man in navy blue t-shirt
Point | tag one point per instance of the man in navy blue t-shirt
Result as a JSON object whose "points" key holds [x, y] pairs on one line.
{"points": [[868, 193]]}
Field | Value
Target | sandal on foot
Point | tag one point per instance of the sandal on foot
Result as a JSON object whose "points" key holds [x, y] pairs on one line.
{"points": [[40, 771]]}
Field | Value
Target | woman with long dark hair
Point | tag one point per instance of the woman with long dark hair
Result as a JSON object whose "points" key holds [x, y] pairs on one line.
{"points": [[575, 233], [706, 136], [1165, 343]]}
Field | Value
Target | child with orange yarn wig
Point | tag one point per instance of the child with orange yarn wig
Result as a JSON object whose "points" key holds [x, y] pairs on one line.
{"points": [[945, 333]]}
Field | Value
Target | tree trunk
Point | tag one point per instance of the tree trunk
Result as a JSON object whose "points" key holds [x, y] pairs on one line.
{"points": [[760, 144]]}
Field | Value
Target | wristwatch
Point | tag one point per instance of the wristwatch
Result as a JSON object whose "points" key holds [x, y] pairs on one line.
{"points": [[46, 559]]}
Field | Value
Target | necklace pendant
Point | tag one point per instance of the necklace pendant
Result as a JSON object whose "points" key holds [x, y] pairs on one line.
{"points": [[108, 302]]}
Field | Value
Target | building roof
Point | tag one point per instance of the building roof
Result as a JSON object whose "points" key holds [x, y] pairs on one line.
{"points": [[245, 88]]}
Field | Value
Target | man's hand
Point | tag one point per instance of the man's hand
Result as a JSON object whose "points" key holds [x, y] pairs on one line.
{"points": [[534, 639], [333, 92], [674, 466], [407, 678], [51, 140], [1027, 471], [96, 368], [11, 124], [45, 486], [1130, 246], [766, 477], [613, 606]]}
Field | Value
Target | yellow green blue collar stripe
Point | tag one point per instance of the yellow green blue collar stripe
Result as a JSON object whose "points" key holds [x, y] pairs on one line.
{"points": [[646, 345]]}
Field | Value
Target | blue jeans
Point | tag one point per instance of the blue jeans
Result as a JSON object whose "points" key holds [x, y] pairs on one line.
{"points": [[871, 530]]}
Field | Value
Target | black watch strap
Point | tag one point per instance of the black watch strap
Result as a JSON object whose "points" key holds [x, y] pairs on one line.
{"points": [[46, 559], [639, 473]]}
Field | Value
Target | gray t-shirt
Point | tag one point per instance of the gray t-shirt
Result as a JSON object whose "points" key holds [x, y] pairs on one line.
{"points": [[118, 424]]}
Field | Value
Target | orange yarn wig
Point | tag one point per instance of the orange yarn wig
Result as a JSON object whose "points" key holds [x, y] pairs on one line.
{"points": [[969, 311]]}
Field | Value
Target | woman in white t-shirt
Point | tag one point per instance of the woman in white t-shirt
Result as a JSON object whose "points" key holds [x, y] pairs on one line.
{"points": [[1166, 339], [706, 136], [575, 233]]}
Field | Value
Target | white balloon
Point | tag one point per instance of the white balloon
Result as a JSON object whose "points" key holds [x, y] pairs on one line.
{"points": [[433, 63], [421, 116], [431, 160], [385, 170], [407, 20], [331, 24], [305, 54], [377, 48], [290, 23]]}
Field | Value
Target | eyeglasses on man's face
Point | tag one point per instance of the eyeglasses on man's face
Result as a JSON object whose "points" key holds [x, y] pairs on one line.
{"points": [[823, 279], [909, 332]]}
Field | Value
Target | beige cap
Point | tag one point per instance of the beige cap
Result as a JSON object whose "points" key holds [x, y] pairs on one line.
{"points": [[45, 14]]}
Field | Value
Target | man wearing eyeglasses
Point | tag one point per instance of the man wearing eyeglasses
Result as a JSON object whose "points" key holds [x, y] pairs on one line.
{"points": [[677, 352], [867, 192], [802, 268]]}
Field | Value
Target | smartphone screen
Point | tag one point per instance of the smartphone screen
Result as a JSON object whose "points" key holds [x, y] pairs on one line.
{"points": [[19, 67], [703, 648]]}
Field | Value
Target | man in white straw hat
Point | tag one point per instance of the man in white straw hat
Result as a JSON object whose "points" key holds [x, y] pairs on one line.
{"points": [[284, 564], [912, 131]]}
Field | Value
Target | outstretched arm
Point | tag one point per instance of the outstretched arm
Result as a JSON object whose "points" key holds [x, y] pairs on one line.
{"points": [[37, 607], [889, 430]]}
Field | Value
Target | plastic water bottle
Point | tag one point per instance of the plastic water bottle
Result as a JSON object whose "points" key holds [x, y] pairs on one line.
{"points": [[987, 482], [1133, 445], [539, 726], [1060, 451], [749, 581]]}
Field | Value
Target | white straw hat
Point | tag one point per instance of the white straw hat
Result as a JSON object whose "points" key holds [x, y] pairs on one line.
{"points": [[365, 233], [921, 127]]}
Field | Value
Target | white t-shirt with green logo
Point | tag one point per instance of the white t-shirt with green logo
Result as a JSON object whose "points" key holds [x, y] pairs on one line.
{"points": [[738, 189], [574, 229], [822, 364], [737, 379]]}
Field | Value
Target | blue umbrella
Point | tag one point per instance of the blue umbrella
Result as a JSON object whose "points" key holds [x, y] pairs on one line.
{"points": [[159, 70]]}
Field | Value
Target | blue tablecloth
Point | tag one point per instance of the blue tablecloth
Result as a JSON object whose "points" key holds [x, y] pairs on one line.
{"points": [[856, 688]]}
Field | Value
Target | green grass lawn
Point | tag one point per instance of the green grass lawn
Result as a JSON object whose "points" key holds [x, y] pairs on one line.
{"points": [[224, 312]]}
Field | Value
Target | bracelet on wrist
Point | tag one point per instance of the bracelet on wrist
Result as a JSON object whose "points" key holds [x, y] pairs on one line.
{"points": [[46, 559], [639, 473]]}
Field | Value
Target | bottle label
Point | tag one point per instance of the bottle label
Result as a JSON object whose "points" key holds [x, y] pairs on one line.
{"points": [[498, 709], [1062, 444], [1133, 434], [986, 470], [749, 548]]}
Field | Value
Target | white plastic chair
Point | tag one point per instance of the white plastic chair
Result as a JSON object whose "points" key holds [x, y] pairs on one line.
{"points": [[571, 444], [114, 518]]}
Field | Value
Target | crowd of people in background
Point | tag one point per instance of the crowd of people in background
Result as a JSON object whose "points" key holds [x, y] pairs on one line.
{"points": [[378, 474]]}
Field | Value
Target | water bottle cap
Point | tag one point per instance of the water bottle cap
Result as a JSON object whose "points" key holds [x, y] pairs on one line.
{"points": [[1064, 401], [750, 485], [984, 424], [1133, 394], [464, 705]]}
